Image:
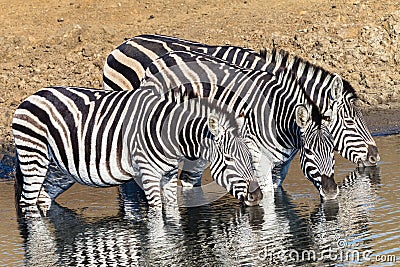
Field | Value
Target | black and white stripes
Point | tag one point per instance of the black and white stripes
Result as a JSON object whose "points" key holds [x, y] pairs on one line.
{"points": [[105, 138], [334, 97], [126, 66], [267, 101]]}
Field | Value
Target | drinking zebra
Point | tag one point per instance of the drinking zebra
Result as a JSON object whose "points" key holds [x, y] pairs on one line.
{"points": [[126, 65], [103, 138], [277, 122]]}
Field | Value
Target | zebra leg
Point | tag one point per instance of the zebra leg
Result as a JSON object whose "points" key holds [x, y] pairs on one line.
{"points": [[263, 170], [30, 196], [131, 195], [152, 190], [32, 170], [44, 201], [170, 191], [56, 182], [280, 171], [192, 172]]}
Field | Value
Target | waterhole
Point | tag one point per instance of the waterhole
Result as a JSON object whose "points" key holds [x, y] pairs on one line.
{"points": [[91, 227]]}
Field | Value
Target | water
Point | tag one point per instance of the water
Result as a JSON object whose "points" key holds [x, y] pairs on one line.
{"points": [[90, 227]]}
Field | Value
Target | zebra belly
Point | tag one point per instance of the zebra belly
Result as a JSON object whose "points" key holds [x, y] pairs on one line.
{"points": [[104, 174]]}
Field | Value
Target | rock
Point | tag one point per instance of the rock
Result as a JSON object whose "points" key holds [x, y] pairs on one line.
{"points": [[89, 50], [385, 58], [72, 36], [109, 30], [392, 24]]}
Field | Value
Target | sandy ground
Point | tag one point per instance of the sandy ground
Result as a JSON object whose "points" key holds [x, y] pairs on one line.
{"points": [[55, 42]]}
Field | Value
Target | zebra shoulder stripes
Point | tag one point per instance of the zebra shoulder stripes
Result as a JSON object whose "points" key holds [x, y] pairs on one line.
{"points": [[104, 138], [126, 65], [267, 101]]}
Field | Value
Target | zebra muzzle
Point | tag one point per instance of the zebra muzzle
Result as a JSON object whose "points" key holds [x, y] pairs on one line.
{"points": [[371, 159], [373, 155], [254, 194], [329, 189]]}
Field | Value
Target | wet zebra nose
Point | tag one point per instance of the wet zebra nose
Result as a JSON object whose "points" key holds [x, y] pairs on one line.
{"points": [[329, 188], [253, 186], [254, 194], [373, 155]]}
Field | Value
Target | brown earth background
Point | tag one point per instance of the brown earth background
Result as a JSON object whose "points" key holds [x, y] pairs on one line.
{"points": [[44, 43]]}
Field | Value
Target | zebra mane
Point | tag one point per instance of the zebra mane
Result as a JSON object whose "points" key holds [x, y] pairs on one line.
{"points": [[280, 59], [348, 88], [206, 106], [316, 114]]}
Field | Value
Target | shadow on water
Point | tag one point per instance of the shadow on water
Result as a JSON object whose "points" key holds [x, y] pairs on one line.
{"points": [[7, 164], [217, 234]]}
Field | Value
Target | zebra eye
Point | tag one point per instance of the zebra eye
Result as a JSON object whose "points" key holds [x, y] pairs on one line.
{"points": [[307, 151], [326, 118], [229, 158]]}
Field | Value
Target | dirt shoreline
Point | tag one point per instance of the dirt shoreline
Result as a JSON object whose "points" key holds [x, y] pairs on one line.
{"points": [[46, 43], [383, 121]]}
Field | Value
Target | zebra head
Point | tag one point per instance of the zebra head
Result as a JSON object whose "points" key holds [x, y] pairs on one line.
{"points": [[352, 137], [232, 164], [316, 150]]}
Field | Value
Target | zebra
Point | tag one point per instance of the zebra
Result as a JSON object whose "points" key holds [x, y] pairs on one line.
{"points": [[126, 65], [277, 126], [104, 138]]}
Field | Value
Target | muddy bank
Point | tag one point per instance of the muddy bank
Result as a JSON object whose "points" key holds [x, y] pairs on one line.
{"points": [[383, 121], [46, 43]]}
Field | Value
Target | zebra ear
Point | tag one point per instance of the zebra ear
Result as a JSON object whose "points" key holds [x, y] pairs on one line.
{"points": [[302, 116], [337, 88], [213, 124], [240, 120]]}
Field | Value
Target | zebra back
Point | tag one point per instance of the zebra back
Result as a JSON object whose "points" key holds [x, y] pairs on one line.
{"points": [[335, 97]]}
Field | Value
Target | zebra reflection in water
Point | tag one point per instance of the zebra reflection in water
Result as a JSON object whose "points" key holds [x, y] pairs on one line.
{"points": [[218, 234], [342, 225]]}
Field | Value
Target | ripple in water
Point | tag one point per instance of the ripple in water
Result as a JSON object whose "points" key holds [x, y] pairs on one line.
{"points": [[291, 227]]}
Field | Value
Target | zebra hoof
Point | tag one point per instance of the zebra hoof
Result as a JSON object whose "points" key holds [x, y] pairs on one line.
{"points": [[30, 212]]}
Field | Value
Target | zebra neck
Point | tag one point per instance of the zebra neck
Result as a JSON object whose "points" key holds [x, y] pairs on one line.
{"points": [[314, 81], [179, 129], [283, 97], [191, 138]]}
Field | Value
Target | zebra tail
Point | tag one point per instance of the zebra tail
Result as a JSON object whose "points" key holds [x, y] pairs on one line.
{"points": [[22, 222], [18, 182]]}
